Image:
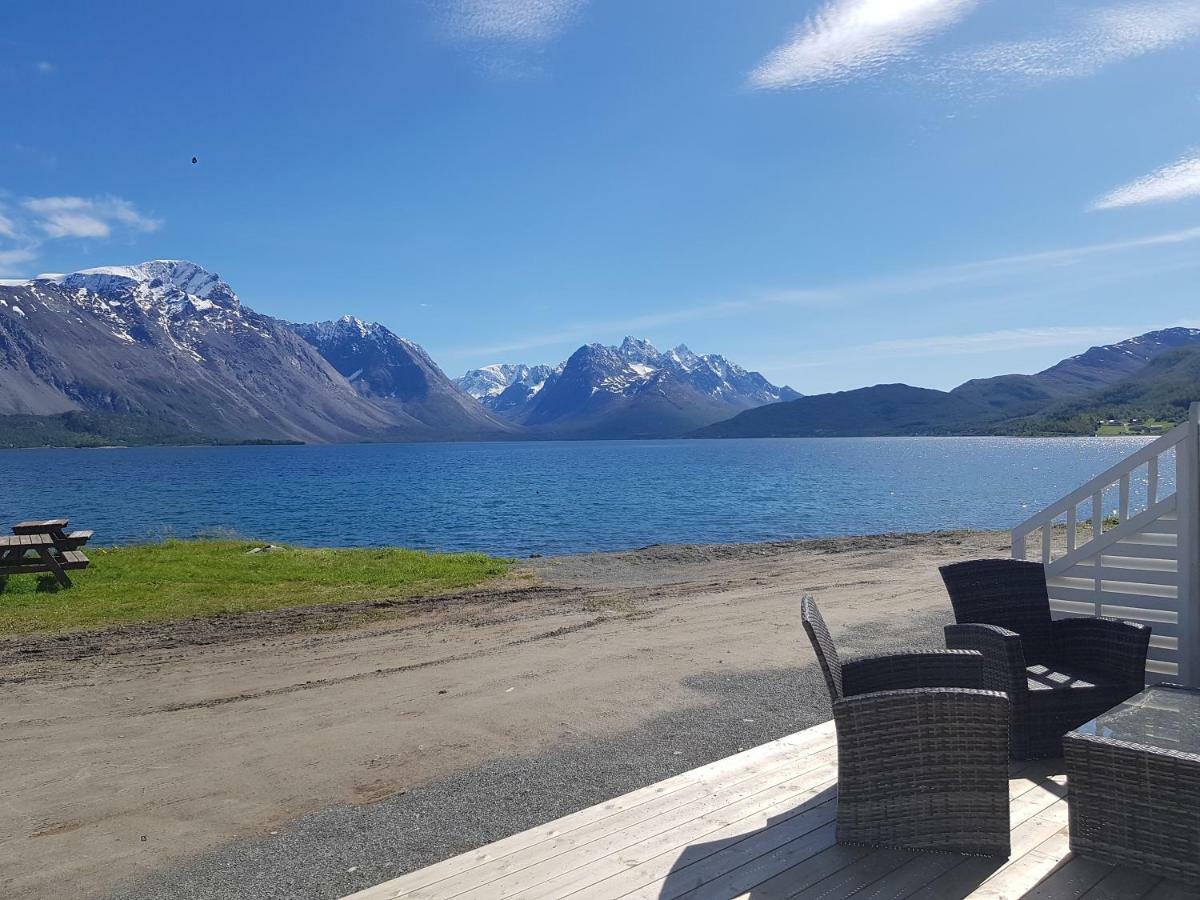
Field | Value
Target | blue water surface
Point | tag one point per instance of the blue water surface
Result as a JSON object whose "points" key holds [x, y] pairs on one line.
{"points": [[552, 497]]}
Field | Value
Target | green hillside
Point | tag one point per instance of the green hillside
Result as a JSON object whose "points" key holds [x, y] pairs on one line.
{"points": [[1161, 393]]}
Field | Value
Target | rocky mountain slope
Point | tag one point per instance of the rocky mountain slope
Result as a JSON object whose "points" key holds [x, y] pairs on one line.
{"points": [[1126, 375], [399, 375], [165, 352], [170, 344], [632, 390]]}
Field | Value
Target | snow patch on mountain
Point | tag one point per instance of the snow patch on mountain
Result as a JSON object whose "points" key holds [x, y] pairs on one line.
{"points": [[633, 367], [185, 301], [489, 382]]}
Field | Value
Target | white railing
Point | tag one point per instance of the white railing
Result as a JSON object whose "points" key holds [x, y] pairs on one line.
{"points": [[1118, 546]]}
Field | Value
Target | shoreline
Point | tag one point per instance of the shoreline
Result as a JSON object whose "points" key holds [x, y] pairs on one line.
{"points": [[565, 440], [312, 761], [527, 582]]}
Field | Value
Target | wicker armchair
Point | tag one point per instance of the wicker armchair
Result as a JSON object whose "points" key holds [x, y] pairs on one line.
{"points": [[922, 748], [1058, 674]]}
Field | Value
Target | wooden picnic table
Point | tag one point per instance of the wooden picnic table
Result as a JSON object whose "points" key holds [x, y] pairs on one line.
{"points": [[47, 557], [57, 529]]}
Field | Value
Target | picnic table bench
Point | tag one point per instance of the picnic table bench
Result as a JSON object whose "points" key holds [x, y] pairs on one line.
{"points": [[57, 529], [47, 557]]}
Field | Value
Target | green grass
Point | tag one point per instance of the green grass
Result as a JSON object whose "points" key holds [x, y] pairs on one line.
{"points": [[1146, 426], [187, 579]]}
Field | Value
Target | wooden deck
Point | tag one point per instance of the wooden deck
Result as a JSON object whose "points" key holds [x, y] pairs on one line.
{"points": [[760, 825]]}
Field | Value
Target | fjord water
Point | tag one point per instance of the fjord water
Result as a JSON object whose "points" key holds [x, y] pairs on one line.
{"points": [[555, 497]]}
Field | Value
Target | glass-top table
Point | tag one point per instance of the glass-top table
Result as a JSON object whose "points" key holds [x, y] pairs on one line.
{"points": [[1133, 783], [1161, 717]]}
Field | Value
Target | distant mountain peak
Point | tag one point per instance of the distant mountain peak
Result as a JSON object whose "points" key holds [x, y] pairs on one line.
{"points": [[155, 278], [633, 348], [351, 328], [1143, 345], [631, 388], [489, 382], [168, 340]]}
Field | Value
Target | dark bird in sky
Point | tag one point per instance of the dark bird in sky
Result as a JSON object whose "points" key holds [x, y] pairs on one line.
{"points": [[194, 160]]}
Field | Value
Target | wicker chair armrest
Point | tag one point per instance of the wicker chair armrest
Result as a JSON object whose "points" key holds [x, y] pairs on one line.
{"points": [[898, 671], [941, 724], [1101, 643], [1003, 655]]}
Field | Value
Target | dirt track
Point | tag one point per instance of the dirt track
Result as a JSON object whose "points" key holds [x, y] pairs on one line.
{"points": [[126, 753]]}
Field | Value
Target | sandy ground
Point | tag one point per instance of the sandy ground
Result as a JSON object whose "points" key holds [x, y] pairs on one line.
{"points": [[311, 753]]}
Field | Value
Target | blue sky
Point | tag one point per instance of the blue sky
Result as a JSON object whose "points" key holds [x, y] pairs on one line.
{"points": [[836, 193]]}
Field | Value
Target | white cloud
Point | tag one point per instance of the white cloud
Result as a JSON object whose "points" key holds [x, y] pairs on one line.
{"points": [[44, 67], [83, 217], [1095, 39], [513, 21], [1177, 181], [27, 225], [853, 38]]}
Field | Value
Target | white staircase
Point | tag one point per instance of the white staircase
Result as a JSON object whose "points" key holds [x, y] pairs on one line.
{"points": [[1117, 547]]}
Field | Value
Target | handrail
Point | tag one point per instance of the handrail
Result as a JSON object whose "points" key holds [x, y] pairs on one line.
{"points": [[1109, 476], [1132, 584], [1100, 542]]}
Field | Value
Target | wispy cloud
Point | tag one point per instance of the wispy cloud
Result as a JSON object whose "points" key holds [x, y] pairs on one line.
{"points": [[1084, 45], [86, 217], [1008, 340], [1066, 255], [1004, 340], [974, 275], [852, 38], [15, 257], [591, 330], [44, 67], [26, 225], [510, 21], [1177, 181]]}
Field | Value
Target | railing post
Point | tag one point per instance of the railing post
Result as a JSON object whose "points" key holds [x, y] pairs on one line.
{"points": [[1187, 493]]}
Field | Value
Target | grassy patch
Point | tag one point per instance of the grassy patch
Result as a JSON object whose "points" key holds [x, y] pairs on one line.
{"points": [[1143, 426], [186, 579]]}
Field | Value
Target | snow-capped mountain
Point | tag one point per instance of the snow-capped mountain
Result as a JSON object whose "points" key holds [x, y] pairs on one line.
{"points": [[398, 373], [168, 342], [506, 388], [631, 390]]}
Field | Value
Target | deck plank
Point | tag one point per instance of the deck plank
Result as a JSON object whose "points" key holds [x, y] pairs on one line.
{"points": [[761, 825], [681, 826], [671, 873], [793, 747]]}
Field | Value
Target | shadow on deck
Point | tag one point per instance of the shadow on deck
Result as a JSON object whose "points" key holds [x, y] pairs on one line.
{"points": [[761, 825]]}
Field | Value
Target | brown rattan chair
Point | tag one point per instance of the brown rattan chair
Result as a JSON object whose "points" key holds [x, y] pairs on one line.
{"points": [[922, 748], [1058, 674]]}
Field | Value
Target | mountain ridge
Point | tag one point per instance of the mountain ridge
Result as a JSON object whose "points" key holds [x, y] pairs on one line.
{"points": [[165, 351], [169, 342], [997, 405], [626, 390]]}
